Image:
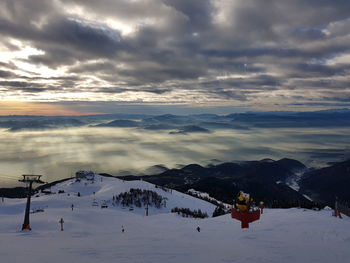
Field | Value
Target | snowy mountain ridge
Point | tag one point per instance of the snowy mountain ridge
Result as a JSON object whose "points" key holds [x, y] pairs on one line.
{"points": [[102, 189], [94, 234]]}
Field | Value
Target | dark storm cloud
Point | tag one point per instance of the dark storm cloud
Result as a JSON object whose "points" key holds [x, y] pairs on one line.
{"points": [[121, 90], [197, 12], [19, 84], [157, 73], [304, 70], [66, 41], [25, 86], [241, 89], [6, 74], [106, 67], [229, 94], [309, 33], [260, 82], [54, 57], [253, 52], [184, 45], [81, 35]]}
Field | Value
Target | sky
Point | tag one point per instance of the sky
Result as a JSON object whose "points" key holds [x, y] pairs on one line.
{"points": [[71, 57]]}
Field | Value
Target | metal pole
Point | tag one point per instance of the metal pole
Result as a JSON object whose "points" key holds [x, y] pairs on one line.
{"points": [[29, 179], [26, 215], [147, 204], [336, 207], [61, 222]]}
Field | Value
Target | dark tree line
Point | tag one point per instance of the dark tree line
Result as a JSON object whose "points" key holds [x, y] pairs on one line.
{"points": [[140, 198], [186, 212], [293, 203], [219, 211]]}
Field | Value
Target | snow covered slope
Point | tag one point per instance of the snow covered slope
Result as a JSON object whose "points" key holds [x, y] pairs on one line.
{"points": [[92, 234]]}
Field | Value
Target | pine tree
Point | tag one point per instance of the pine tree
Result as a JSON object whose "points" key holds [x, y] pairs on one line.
{"points": [[219, 211]]}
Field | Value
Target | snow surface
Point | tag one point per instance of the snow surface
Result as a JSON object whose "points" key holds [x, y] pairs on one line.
{"points": [[206, 195], [293, 180], [92, 234]]}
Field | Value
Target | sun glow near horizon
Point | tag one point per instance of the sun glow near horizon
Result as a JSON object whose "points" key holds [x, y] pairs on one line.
{"points": [[36, 108]]}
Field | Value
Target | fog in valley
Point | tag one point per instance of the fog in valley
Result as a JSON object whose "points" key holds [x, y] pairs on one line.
{"points": [[59, 153]]}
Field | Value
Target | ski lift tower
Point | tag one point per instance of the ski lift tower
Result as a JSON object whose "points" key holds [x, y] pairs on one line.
{"points": [[29, 179]]}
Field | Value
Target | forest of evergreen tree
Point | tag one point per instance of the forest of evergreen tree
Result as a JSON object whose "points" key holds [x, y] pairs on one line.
{"points": [[140, 198]]}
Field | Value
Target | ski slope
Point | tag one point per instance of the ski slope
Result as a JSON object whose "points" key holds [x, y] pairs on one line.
{"points": [[92, 234]]}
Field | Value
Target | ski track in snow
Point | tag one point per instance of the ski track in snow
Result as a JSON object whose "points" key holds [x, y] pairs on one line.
{"points": [[92, 234]]}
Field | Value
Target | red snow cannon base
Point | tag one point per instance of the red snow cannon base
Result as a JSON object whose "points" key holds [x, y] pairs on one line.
{"points": [[245, 217]]}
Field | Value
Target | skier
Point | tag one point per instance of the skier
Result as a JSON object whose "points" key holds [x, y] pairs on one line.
{"points": [[123, 230], [72, 206], [198, 229]]}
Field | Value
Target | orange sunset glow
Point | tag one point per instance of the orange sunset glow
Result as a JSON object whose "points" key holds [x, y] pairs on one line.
{"points": [[42, 109]]}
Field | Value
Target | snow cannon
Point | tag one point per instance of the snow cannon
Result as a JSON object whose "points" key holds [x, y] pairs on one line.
{"points": [[245, 217], [244, 211]]}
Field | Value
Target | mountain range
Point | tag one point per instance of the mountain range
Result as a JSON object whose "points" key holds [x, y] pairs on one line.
{"points": [[183, 123], [327, 183], [282, 183]]}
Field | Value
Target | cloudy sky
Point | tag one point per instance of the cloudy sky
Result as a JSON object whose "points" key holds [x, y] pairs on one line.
{"points": [[87, 56]]}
